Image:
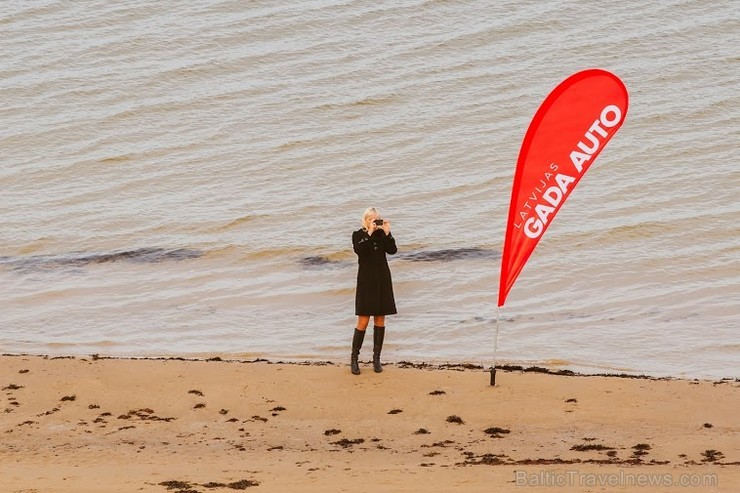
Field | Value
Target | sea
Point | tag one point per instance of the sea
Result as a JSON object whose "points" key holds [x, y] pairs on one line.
{"points": [[183, 178]]}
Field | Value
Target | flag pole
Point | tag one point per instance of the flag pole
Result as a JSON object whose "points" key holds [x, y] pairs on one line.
{"points": [[495, 346]]}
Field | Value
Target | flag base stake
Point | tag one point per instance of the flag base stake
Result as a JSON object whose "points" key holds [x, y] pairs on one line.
{"points": [[495, 346]]}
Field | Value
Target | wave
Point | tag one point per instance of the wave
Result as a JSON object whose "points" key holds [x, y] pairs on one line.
{"points": [[449, 254], [319, 261], [444, 255], [368, 101], [140, 255], [156, 255]]}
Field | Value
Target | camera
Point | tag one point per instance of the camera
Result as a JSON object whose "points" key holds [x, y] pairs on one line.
{"points": [[379, 222]]}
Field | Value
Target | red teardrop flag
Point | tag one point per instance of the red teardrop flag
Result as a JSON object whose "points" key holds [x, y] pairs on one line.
{"points": [[569, 130]]}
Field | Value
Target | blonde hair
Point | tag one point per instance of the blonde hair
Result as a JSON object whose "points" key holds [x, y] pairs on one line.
{"points": [[366, 216]]}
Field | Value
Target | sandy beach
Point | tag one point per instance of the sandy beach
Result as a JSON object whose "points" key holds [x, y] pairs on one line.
{"points": [[96, 424]]}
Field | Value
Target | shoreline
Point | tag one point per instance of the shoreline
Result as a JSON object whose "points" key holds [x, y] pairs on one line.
{"points": [[419, 365], [73, 424]]}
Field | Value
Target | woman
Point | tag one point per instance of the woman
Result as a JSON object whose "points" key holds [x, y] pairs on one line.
{"points": [[374, 295]]}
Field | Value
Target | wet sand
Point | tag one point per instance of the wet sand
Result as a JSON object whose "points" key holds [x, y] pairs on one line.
{"points": [[120, 425]]}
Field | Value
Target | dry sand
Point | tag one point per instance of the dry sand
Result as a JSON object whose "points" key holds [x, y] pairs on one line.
{"points": [[127, 425]]}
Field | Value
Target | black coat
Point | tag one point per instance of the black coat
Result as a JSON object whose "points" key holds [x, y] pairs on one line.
{"points": [[374, 294]]}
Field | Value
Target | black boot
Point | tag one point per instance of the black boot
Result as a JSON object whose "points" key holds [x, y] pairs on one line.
{"points": [[357, 339], [378, 336]]}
